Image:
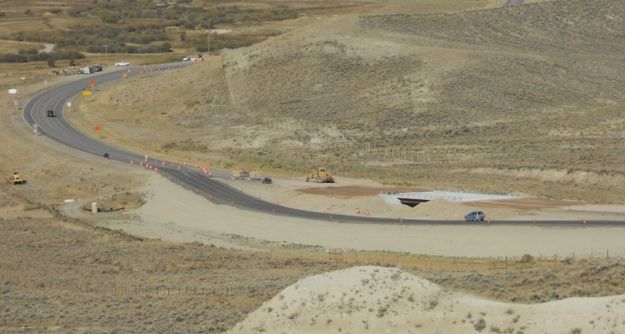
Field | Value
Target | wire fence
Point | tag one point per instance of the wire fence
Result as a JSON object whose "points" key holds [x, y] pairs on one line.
{"points": [[526, 260], [338, 257]]}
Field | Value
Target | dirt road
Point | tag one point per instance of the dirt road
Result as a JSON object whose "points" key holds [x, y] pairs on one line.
{"points": [[177, 213]]}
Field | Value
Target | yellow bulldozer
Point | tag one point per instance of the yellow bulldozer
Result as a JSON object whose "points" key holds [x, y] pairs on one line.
{"points": [[16, 178], [320, 175]]}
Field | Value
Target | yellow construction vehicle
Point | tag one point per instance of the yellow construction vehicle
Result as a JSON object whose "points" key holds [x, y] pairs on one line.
{"points": [[16, 178], [319, 175]]}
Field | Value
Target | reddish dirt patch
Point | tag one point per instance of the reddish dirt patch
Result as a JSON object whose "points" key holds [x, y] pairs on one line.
{"points": [[353, 191]]}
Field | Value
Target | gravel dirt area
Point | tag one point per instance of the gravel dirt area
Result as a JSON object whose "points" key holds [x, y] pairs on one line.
{"points": [[354, 191], [178, 213], [385, 300], [351, 194]]}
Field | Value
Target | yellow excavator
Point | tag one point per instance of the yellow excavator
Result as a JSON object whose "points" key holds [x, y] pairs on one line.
{"points": [[16, 178], [320, 175]]}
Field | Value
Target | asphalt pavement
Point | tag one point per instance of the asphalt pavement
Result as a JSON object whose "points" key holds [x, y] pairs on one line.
{"points": [[193, 178]]}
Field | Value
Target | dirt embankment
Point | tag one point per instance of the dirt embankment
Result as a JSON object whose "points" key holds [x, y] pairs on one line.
{"points": [[385, 300]]}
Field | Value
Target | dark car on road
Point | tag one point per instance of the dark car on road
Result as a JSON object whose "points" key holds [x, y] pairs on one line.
{"points": [[475, 216], [51, 113]]}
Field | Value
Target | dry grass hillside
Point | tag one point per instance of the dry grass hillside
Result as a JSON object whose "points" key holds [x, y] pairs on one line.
{"points": [[532, 88], [527, 98]]}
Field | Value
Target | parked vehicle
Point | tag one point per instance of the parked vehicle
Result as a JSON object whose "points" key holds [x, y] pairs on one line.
{"points": [[241, 175], [267, 180], [51, 113], [475, 216], [122, 63], [91, 69]]}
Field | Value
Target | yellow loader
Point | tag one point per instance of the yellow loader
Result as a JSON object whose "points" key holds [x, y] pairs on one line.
{"points": [[320, 175], [16, 178]]}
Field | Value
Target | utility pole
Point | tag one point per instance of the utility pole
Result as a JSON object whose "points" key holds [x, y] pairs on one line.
{"points": [[106, 53]]}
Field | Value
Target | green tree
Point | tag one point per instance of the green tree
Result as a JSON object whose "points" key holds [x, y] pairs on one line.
{"points": [[51, 62]]}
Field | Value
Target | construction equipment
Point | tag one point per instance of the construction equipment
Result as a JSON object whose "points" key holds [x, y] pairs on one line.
{"points": [[241, 175], [16, 178], [91, 69], [320, 175]]}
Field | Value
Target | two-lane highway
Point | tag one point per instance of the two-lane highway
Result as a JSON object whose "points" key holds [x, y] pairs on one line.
{"points": [[59, 130]]}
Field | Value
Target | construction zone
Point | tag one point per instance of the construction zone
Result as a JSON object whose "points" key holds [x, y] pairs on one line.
{"points": [[345, 166]]}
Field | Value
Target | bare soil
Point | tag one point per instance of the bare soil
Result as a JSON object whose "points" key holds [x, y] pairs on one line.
{"points": [[387, 300], [353, 191], [119, 201], [526, 204]]}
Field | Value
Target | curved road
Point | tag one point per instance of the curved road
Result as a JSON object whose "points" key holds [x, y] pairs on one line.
{"points": [[59, 130]]}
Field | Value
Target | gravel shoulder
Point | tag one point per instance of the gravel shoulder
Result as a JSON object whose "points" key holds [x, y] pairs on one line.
{"points": [[185, 212]]}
